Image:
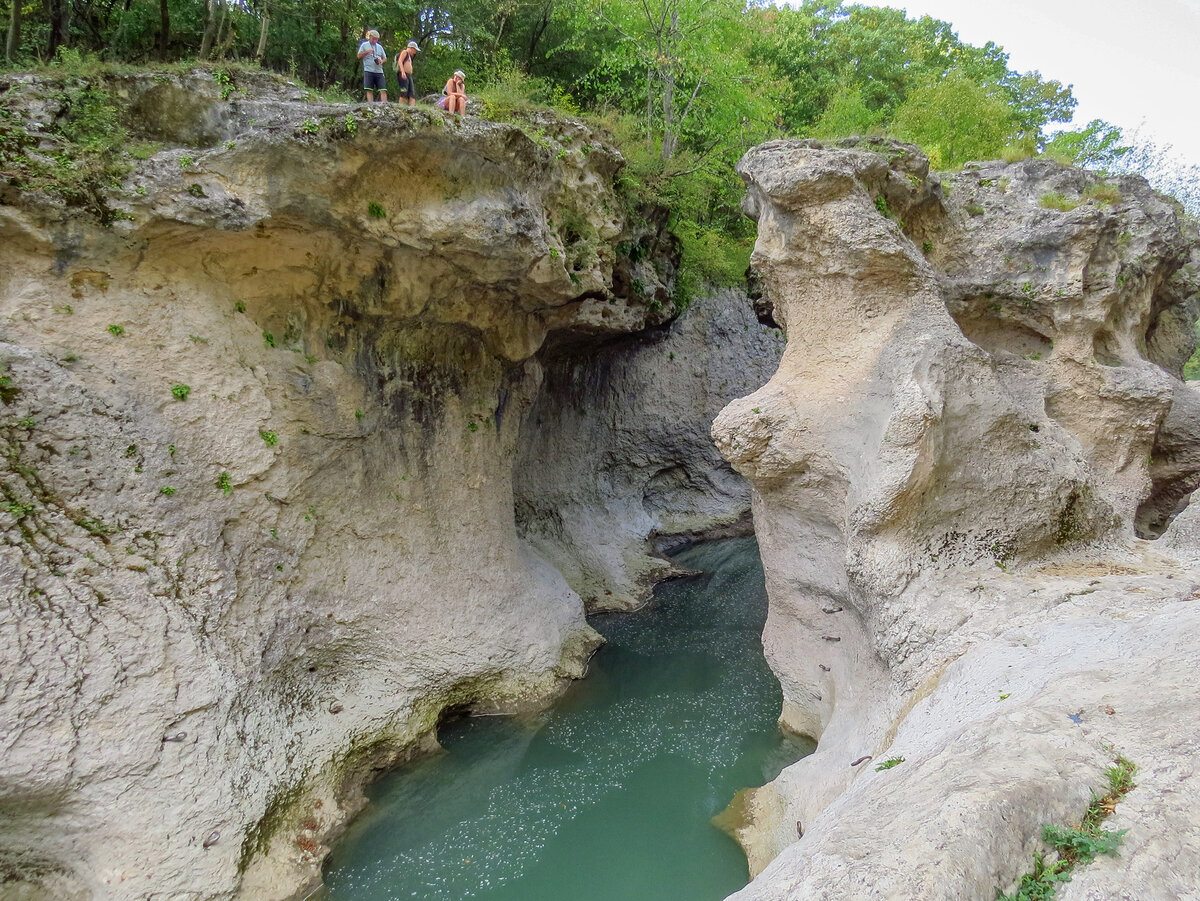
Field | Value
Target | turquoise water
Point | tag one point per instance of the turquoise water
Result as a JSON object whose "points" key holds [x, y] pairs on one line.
{"points": [[609, 795]]}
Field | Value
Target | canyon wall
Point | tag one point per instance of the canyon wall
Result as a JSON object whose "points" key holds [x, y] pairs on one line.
{"points": [[260, 435], [977, 413]]}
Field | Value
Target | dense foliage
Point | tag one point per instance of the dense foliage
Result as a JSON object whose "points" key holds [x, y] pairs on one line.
{"points": [[684, 85]]}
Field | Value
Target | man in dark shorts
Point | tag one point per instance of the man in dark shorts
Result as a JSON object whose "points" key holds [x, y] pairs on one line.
{"points": [[404, 73], [372, 54]]}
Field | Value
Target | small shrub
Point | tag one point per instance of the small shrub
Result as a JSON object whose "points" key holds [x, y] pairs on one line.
{"points": [[180, 392], [225, 483], [882, 205], [359, 414], [268, 339], [1056, 201], [239, 307], [376, 211], [117, 330], [472, 426], [186, 162], [973, 209], [926, 247], [351, 124], [196, 190], [26, 422], [167, 490], [310, 126], [270, 438]]}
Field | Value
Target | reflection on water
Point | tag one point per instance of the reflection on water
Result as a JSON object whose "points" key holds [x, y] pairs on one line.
{"points": [[609, 796]]}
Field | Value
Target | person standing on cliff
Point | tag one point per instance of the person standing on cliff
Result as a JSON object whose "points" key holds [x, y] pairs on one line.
{"points": [[372, 54], [455, 100], [404, 73]]}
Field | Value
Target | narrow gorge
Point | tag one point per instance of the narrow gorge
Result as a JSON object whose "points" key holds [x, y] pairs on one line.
{"points": [[327, 424]]}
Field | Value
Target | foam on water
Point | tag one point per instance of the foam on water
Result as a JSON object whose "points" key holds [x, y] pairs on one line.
{"points": [[609, 795]]}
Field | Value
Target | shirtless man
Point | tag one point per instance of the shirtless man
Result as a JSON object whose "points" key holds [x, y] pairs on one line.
{"points": [[372, 54], [404, 73], [455, 100]]}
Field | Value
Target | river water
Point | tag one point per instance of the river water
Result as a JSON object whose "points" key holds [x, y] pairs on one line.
{"points": [[609, 796]]}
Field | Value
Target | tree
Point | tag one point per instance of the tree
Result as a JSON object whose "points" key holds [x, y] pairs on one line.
{"points": [[1095, 146], [955, 120], [12, 44]]}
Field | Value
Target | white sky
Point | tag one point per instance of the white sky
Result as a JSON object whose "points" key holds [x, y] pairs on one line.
{"points": [[1130, 61]]}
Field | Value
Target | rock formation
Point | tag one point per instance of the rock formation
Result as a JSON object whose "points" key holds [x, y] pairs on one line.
{"points": [[260, 436], [980, 376], [618, 450]]}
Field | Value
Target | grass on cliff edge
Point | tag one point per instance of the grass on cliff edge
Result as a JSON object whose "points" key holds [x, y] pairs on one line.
{"points": [[1077, 845]]}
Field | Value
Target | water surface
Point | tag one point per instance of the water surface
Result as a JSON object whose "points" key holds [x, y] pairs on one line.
{"points": [[608, 796]]}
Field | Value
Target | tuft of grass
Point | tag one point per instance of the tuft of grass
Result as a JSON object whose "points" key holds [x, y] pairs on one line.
{"points": [[889, 763], [1102, 192], [225, 483], [270, 438], [359, 414], [1077, 845], [167, 490], [117, 330], [1057, 201], [376, 211], [180, 392], [268, 339], [239, 307]]}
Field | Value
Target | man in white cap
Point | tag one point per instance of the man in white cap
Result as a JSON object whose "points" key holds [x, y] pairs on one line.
{"points": [[404, 73], [372, 54]]}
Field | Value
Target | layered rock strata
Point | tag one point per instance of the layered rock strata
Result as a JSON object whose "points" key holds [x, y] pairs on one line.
{"points": [[260, 435], [947, 471]]}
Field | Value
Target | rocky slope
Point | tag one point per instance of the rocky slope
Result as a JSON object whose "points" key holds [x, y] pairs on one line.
{"points": [[260, 438], [950, 471]]}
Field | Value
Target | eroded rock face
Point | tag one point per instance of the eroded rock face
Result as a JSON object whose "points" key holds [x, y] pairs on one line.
{"points": [[617, 452], [258, 508], [947, 469]]}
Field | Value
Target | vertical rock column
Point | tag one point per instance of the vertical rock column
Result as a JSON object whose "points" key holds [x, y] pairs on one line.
{"points": [[883, 445]]}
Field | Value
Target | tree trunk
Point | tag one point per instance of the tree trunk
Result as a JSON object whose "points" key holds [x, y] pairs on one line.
{"points": [[59, 25], [670, 128], [164, 29], [262, 35], [649, 107], [12, 46], [215, 8], [668, 102]]}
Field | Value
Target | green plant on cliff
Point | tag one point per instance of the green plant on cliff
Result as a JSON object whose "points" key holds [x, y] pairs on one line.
{"points": [[1076, 845], [180, 392], [225, 483]]}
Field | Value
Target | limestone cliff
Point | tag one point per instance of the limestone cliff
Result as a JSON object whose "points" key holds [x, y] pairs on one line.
{"points": [[260, 435], [947, 471]]}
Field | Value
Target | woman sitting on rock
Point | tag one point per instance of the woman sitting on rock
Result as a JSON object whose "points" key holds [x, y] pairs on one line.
{"points": [[455, 100]]}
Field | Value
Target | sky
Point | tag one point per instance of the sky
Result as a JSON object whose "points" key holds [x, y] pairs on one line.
{"points": [[1134, 63]]}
